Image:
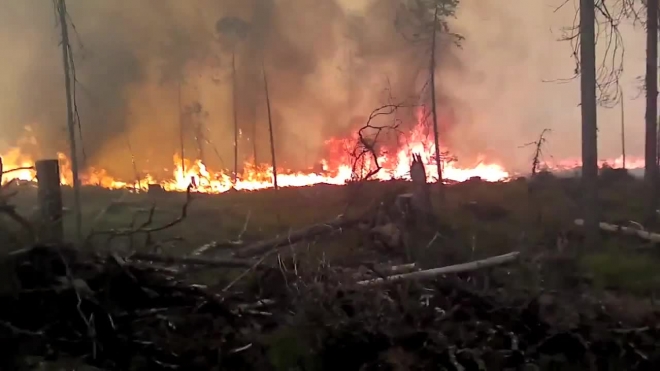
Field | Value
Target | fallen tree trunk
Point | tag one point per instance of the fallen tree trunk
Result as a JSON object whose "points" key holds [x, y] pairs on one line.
{"points": [[295, 236], [402, 268], [646, 235], [225, 263], [431, 273]]}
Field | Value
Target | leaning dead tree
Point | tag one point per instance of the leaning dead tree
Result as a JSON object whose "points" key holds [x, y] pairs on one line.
{"points": [[270, 128], [436, 135]]}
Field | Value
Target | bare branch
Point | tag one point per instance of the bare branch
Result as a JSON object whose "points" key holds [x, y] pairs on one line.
{"points": [[610, 68]]}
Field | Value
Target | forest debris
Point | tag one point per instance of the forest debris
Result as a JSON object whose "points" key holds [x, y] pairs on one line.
{"points": [[296, 236], [225, 263], [432, 273], [145, 319], [388, 234], [645, 235], [403, 268], [213, 245]]}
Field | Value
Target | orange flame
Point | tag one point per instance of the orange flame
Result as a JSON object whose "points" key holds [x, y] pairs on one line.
{"points": [[340, 167]]}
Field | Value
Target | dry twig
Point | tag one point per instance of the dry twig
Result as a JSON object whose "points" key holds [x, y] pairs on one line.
{"points": [[145, 227]]}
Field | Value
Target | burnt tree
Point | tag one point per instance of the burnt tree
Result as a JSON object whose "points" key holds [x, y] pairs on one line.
{"points": [[425, 22], [235, 29], [589, 120], [650, 167]]}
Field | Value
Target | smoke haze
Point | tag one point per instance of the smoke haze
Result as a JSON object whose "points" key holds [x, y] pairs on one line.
{"points": [[328, 64]]}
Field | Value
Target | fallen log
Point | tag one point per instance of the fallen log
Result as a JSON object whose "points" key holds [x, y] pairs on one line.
{"points": [[224, 263], [207, 248], [645, 235], [431, 273], [293, 237], [402, 268]]}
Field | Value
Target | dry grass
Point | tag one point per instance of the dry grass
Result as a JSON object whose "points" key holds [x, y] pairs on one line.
{"points": [[535, 218], [537, 215]]}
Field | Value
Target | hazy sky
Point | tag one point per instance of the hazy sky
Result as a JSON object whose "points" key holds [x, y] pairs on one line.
{"points": [[130, 54]]}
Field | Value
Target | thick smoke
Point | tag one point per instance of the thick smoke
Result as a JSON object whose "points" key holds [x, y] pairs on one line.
{"points": [[328, 65]]}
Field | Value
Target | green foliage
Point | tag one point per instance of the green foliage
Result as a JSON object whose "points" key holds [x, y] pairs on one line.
{"points": [[620, 269], [288, 351], [416, 19]]}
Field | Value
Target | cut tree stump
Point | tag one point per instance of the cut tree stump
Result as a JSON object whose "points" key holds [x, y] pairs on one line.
{"points": [[49, 196], [421, 195], [415, 219]]}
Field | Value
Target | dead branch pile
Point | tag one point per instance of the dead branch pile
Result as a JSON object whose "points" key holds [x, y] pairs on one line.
{"points": [[118, 315], [124, 315], [448, 325]]}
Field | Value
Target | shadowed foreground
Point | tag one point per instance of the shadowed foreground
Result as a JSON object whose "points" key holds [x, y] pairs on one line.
{"points": [[170, 300]]}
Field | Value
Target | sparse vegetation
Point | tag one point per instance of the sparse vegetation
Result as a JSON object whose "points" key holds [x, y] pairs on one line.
{"points": [[314, 318]]}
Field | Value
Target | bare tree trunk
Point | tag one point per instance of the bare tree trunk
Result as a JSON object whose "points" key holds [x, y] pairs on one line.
{"points": [[234, 86], [70, 120], [181, 130], [199, 139], [623, 131], [650, 167], [254, 141], [589, 121], [133, 162], [270, 128], [436, 134]]}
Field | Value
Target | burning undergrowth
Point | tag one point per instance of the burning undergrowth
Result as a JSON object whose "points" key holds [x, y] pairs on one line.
{"points": [[380, 150]]}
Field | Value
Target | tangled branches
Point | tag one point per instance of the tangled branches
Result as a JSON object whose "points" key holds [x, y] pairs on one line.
{"points": [[366, 153], [609, 16], [146, 227]]}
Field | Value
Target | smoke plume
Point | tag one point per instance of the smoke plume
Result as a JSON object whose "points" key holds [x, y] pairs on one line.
{"points": [[143, 67]]}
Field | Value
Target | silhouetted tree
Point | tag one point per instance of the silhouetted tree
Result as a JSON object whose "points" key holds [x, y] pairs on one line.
{"points": [[651, 141], [421, 21], [589, 121], [235, 29]]}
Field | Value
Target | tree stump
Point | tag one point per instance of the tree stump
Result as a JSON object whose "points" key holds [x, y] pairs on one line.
{"points": [[49, 196], [415, 212], [421, 195]]}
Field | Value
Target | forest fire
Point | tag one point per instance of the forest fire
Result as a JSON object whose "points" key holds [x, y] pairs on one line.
{"points": [[340, 167], [345, 163]]}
